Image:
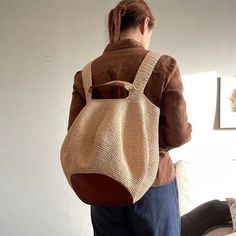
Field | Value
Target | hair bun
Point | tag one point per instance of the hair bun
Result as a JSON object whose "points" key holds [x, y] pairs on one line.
{"points": [[128, 14]]}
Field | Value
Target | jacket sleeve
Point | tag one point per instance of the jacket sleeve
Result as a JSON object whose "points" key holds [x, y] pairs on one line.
{"points": [[174, 129], [78, 99]]}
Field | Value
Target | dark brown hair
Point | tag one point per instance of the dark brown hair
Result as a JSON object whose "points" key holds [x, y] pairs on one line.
{"points": [[127, 14]]}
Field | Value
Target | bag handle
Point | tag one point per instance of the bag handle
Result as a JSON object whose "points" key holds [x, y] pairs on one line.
{"points": [[117, 83], [145, 70], [87, 82], [140, 81]]}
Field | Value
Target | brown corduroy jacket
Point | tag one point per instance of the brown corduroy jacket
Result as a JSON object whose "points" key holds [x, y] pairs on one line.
{"points": [[120, 61]]}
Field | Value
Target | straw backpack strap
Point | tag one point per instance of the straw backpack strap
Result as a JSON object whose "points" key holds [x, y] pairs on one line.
{"points": [[145, 70], [87, 80]]}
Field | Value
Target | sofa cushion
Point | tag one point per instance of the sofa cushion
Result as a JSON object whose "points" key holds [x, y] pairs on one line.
{"points": [[200, 181]]}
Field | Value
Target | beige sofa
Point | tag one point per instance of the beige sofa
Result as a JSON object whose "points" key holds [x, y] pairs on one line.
{"points": [[200, 181]]}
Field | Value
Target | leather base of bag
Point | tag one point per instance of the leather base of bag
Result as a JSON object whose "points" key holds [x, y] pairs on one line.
{"points": [[100, 190]]}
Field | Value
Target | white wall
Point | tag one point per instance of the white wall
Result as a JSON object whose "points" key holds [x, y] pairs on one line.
{"points": [[43, 43]]}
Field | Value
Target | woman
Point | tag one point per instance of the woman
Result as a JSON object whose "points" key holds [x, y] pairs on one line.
{"points": [[130, 26]]}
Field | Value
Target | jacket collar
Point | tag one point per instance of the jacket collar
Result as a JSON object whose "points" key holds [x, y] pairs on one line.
{"points": [[124, 43]]}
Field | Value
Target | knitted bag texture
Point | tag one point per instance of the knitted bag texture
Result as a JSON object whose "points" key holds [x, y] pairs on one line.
{"points": [[115, 138]]}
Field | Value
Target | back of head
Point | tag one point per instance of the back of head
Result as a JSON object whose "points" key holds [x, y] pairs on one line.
{"points": [[128, 14]]}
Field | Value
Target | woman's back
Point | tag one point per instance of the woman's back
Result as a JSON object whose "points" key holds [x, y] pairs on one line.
{"points": [[130, 27], [120, 61]]}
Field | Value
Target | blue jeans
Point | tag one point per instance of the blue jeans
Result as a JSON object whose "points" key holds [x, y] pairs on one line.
{"points": [[155, 214]]}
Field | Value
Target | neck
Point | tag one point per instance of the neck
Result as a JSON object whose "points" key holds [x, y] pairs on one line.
{"points": [[135, 35]]}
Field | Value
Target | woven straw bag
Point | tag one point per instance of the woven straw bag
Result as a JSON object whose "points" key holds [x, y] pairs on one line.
{"points": [[110, 154]]}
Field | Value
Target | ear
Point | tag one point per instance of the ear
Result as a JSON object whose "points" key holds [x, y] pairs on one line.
{"points": [[144, 25]]}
